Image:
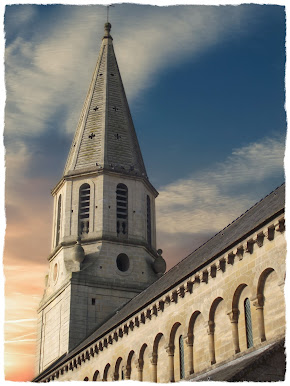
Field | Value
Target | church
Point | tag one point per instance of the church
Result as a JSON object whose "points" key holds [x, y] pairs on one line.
{"points": [[109, 311]]}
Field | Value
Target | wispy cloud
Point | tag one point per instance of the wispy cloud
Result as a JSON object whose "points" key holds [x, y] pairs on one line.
{"points": [[20, 341], [41, 69], [24, 336], [210, 199], [20, 320]]}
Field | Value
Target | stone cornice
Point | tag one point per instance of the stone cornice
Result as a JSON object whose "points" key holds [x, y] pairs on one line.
{"points": [[89, 240]]}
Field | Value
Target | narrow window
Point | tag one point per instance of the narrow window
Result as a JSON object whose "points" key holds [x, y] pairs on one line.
{"points": [[58, 221], [181, 357], [122, 209], [148, 220], [248, 321], [84, 209]]}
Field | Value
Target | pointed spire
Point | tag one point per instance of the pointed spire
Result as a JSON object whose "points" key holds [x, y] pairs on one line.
{"points": [[105, 137]]}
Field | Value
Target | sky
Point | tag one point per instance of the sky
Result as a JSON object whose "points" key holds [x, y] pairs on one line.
{"points": [[205, 85]]}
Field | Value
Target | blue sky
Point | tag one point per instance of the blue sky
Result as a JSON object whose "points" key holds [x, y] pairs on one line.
{"points": [[205, 86]]}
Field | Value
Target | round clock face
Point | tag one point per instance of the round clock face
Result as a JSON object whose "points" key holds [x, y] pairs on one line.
{"points": [[55, 272]]}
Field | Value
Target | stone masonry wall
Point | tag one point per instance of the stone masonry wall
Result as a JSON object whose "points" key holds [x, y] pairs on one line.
{"points": [[206, 313]]}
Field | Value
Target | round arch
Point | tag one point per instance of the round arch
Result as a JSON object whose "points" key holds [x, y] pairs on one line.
{"points": [[129, 364], [159, 357], [190, 340], [141, 362], [270, 305], [117, 371], [106, 372], [96, 375]]}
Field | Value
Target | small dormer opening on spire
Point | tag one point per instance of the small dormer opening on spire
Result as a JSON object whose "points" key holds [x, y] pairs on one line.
{"points": [[122, 209], [84, 209]]}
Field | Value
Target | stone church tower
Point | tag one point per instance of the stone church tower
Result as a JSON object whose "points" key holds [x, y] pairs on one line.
{"points": [[104, 236]]}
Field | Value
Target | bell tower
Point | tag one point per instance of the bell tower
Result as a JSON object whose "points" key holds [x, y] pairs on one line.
{"points": [[104, 237]]}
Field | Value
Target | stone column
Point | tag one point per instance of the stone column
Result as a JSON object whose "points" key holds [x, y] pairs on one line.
{"points": [[115, 376], [140, 364], [128, 372], [234, 318], [153, 361], [170, 352], [189, 343], [210, 332], [258, 302]]}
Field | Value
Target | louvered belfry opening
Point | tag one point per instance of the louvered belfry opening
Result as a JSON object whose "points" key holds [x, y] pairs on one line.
{"points": [[248, 321], [84, 209], [122, 209], [58, 221], [148, 220]]}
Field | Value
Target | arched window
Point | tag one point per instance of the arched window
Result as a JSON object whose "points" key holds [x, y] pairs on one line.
{"points": [[148, 220], [122, 209], [248, 322], [181, 357], [58, 221], [84, 209]]}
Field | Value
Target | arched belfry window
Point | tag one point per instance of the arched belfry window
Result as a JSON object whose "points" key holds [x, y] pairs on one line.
{"points": [[84, 209], [58, 221], [181, 357], [248, 322], [122, 209], [148, 220]]}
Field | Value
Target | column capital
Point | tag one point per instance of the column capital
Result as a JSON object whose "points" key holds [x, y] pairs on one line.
{"points": [[170, 349], [211, 326], [258, 301], [139, 364], [234, 315], [153, 358], [188, 339]]}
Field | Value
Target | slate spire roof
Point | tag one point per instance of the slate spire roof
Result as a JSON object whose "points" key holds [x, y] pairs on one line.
{"points": [[105, 137]]}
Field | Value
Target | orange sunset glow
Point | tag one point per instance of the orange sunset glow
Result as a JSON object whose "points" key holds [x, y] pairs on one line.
{"points": [[27, 244]]}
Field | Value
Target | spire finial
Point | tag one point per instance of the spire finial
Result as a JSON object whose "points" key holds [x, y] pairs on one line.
{"points": [[108, 25], [108, 7], [107, 31], [107, 28]]}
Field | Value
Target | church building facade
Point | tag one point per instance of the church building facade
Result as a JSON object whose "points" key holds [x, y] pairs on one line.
{"points": [[109, 310]]}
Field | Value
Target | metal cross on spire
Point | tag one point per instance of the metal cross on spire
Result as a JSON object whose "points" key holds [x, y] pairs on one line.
{"points": [[110, 5]]}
